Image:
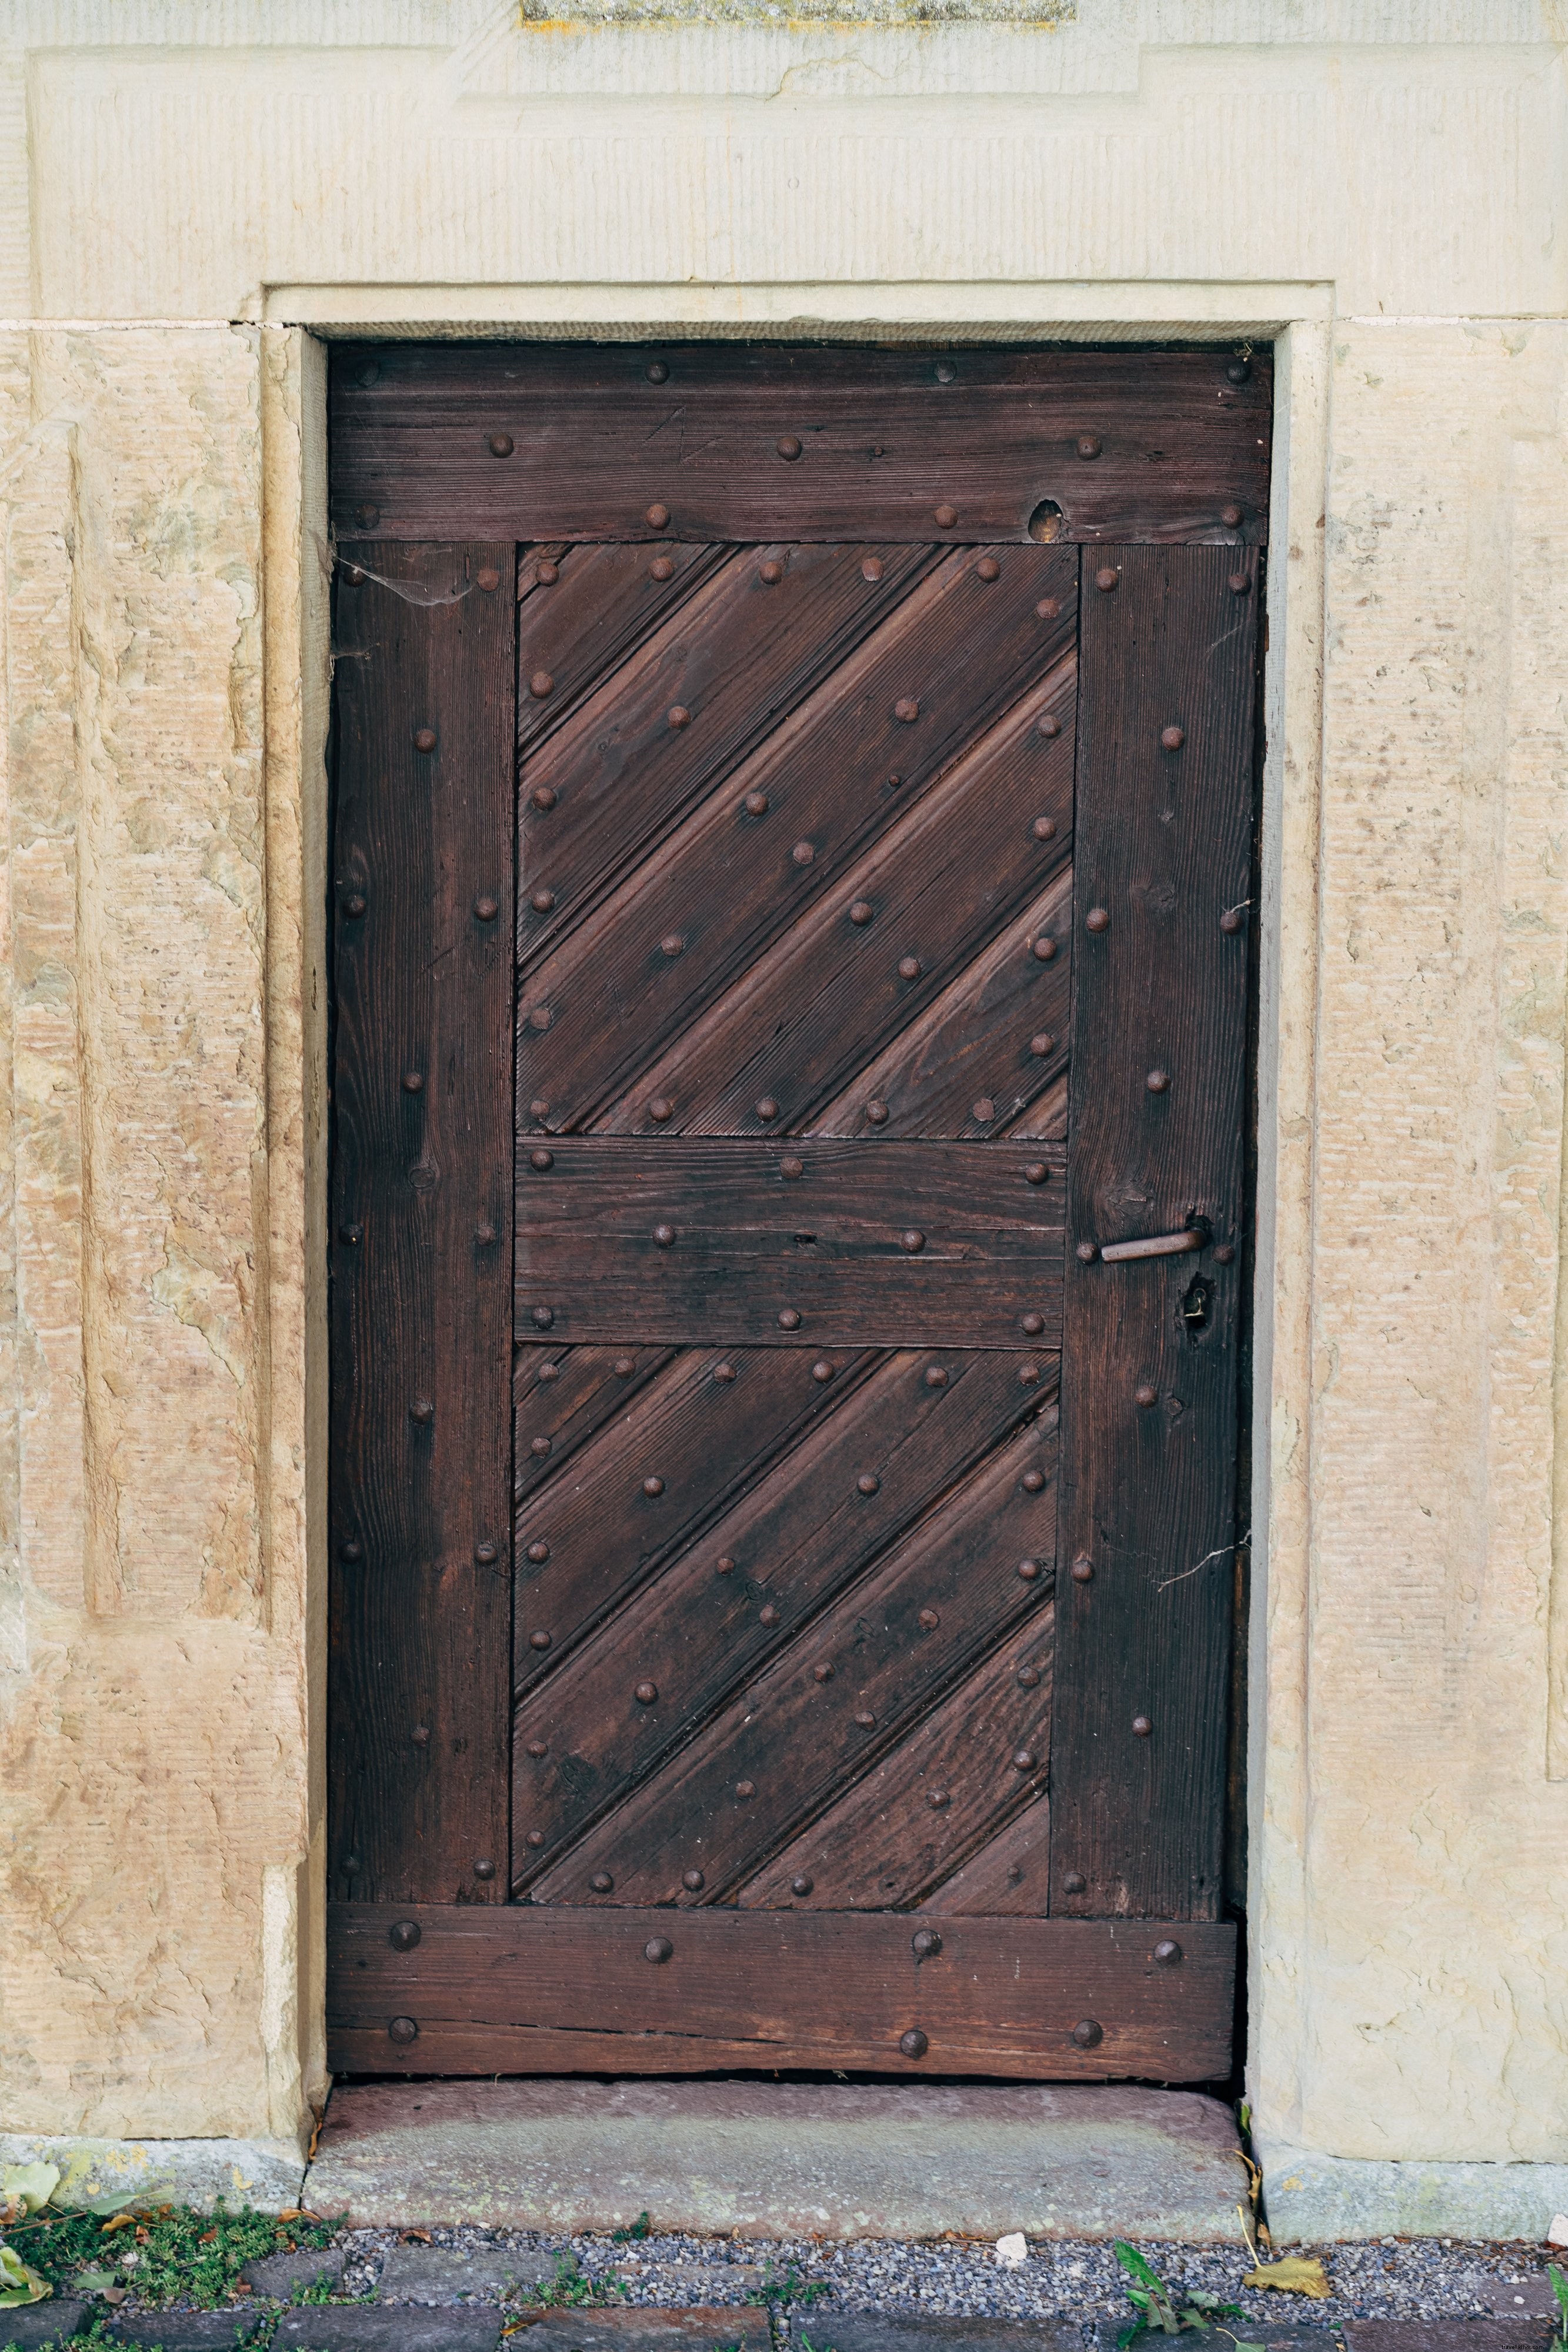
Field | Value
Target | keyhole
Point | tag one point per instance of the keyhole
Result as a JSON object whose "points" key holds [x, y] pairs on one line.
{"points": [[1195, 1305]]}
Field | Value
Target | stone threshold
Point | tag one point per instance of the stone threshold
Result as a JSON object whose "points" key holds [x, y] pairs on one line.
{"points": [[760, 2159]]}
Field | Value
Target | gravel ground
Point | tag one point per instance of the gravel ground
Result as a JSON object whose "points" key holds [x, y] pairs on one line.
{"points": [[1411, 2279]]}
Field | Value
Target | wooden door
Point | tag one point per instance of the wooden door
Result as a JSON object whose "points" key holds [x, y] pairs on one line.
{"points": [[792, 935]]}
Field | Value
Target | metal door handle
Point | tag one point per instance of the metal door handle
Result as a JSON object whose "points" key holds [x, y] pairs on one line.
{"points": [[1192, 1237]]}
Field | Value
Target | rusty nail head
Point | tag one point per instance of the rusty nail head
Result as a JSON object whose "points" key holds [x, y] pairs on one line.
{"points": [[661, 1109], [913, 2044], [1231, 517], [1024, 1759], [1034, 1480], [868, 1483], [803, 853], [484, 1869], [789, 1320], [871, 569], [1098, 919], [938, 1799], [538, 1640], [1049, 608], [912, 1242], [489, 578], [1088, 1252], [656, 372], [905, 710], [1168, 1953], [602, 1882], [537, 1748], [1230, 921], [936, 1376], [1028, 1677], [679, 716], [1044, 949], [823, 1672], [1050, 725], [404, 1935], [662, 568], [484, 1553], [983, 1110], [771, 573], [1158, 1082], [726, 1566], [543, 1316], [1105, 579], [988, 568], [1030, 1570], [925, 1942], [745, 1788], [800, 1886], [653, 1488], [1223, 1254], [424, 739], [539, 1551], [353, 577], [546, 573], [866, 1722], [665, 1237], [908, 967], [789, 446], [541, 684], [546, 1371], [1238, 583], [541, 1159], [724, 1374], [421, 1410], [1089, 2034], [1171, 738], [539, 1107], [354, 904], [487, 910], [1236, 371], [945, 372], [353, 1550], [624, 1365], [1036, 1172], [656, 517], [1082, 1568], [1045, 828], [1142, 1725], [756, 803], [403, 2030], [421, 1735], [646, 1694], [1145, 1395], [1075, 1883], [767, 1108], [1028, 1374], [1042, 1045], [769, 1615], [1087, 445], [877, 1112], [946, 517], [1033, 1324], [822, 1369], [694, 1881], [861, 913], [929, 1621], [500, 445], [544, 796], [540, 1448], [541, 1018]]}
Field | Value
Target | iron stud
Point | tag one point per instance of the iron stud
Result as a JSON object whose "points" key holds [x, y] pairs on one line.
{"points": [[488, 909], [724, 1374], [1032, 1324], [1089, 2034], [484, 1553], [929, 1621], [1105, 579], [653, 1488], [1238, 583], [946, 517], [1034, 1480], [792, 1169], [500, 445], [936, 1376], [694, 1881], [744, 1788], [861, 913], [769, 1615], [803, 853], [822, 1370], [1142, 1725], [656, 517], [908, 967], [624, 1365], [354, 905], [877, 1112], [1096, 919], [1158, 1082], [351, 1550], [823, 1672], [544, 796], [539, 1551], [1087, 445], [789, 1320], [420, 1734], [1050, 725], [350, 1234], [1223, 1254], [538, 1747], [662, 568], [866, 1722], [868, 1483], [484, 1868], [1087, 1253], [788, 447], [988, 568], [541, 684], [1043, 950], [1230, 921], [767, 1108], [756, 803], [945, 371], [984, 1110], [1029, 1570], [546, 573], [1236, 371], [906, 710], [488, 578], [1028, 1677], [1045, 828], [925, 1942], [913, 2044], [1082, 1568], [646, 1694], [800, 1887], [771, 573], [1145, 1395], [1023, 1759], [403, 2030], [871, 569], [538, 1640], [665, 1237], [1231, 517], [938, 1799], [424, 739], [413, 1082], [1168, 1953], [725, 1567], [421, 1410], [542, 901], [1036, 1172], [602, 1882], [677, 716], [543, 1316], [541, 1159], [1049, 608], [1171, 738], [541, 1018], [661, 1109], [1075, 1883], [1041, 1046], [404, 1935], [542, 1448], [656, 372], [1028, 1375]]}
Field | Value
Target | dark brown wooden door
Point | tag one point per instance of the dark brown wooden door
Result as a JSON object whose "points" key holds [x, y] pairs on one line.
{"points": [[856, 1696]]}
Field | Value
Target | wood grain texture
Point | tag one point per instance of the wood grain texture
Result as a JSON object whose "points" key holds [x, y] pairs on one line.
{"points": [[1162, 850], [1173, 445], [653, 1672], [842, 771], [881, 1244], [528, 1990], [891, 1646], [421, 1188], [978, 1758], [576, 627]]}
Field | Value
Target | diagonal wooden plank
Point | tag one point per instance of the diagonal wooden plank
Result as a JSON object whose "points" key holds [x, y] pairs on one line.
{"points": [[851, 1486], [562, 1395], [979, 1054], [747, 862], [953, 1784], [1009, 1878], [1045, 1120], [583, 612], [873, 951], [736, 657], [700, 1432], [982, 1562]]}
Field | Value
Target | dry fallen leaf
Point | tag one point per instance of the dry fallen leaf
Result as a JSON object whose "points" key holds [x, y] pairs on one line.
{"points": [[1295, 2274]]}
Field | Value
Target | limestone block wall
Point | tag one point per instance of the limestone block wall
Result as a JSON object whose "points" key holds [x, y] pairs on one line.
{"points": [[193, 194]]}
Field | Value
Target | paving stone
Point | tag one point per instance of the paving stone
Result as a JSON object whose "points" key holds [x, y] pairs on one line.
{"points": [[1275, 2336], [187, 2331], [34, 2324], [860, 2331], [381, 2327], [1522, 2335], [439, 2275], [634, 2330], [1528, 2297], [279, 2274]]}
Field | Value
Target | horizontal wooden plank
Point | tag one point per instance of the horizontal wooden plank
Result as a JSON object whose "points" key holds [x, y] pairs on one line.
{"points": [[752, 442], [517, 1989], [720, 1241]]}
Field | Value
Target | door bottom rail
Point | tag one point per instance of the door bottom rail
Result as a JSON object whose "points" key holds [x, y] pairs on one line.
{"points": [[482, 1988]]}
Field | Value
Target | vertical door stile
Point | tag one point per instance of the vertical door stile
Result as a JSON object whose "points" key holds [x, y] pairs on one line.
{"points": [[421, 1231], [1162, 839]]}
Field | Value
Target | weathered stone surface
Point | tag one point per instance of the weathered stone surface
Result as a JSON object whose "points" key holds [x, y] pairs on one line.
{"points": [[38, 2326], [449, 2274], [856, 2331], [376, 2327], [1447, 2335], [266, 2174], [1275, 2336], [187, 2331], [281, 2275], [607, 2329], [774, 2159], [1529, 2295]]}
